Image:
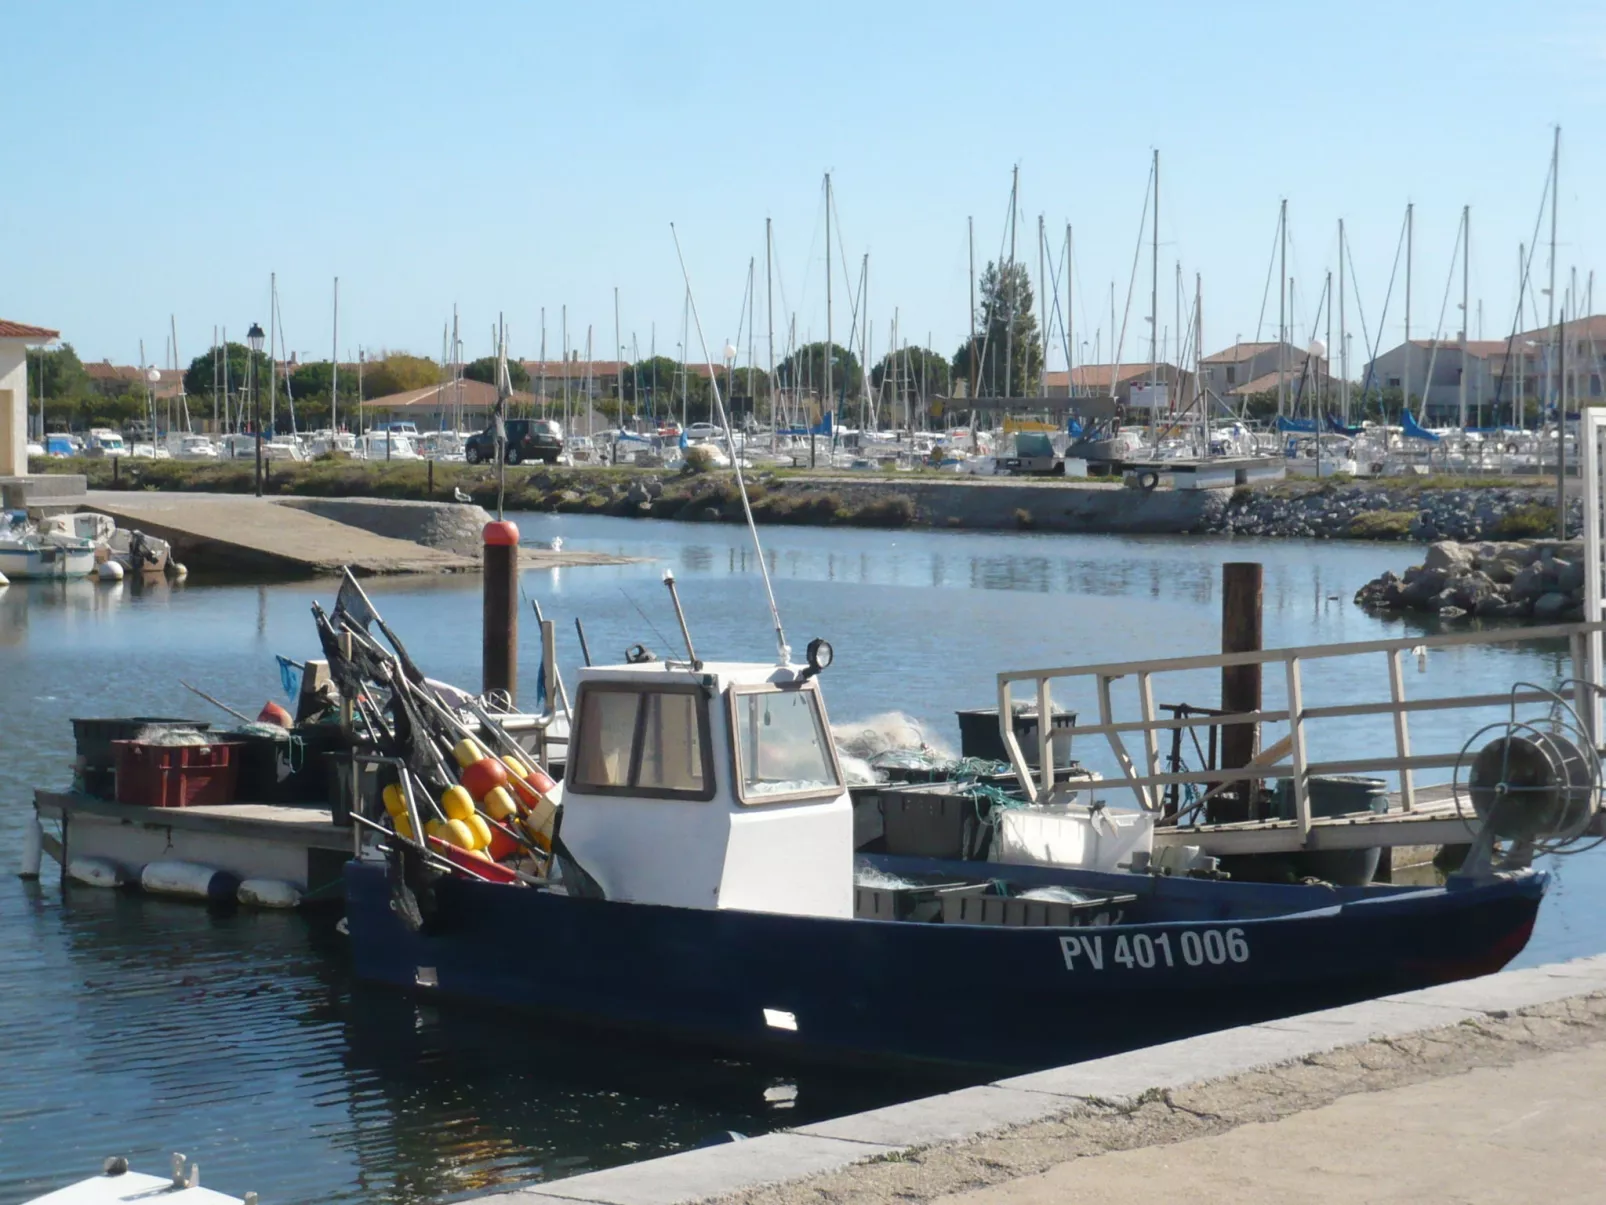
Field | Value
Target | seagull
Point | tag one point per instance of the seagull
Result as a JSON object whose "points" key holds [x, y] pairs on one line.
{"points": [[457, 492], [557, 544]]}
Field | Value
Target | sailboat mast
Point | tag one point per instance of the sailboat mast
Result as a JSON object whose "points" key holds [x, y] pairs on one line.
{"points": [[1282, 309], [970, 359], [1466, 308], [1343, 342], [1009, 288], [1154, 286], [619, 365], [1042, 303], [542, 369], [829, 347], [1561, 350], [1069, 329], [273, 327], [769, 321], [1410, 238], [334, 364]]}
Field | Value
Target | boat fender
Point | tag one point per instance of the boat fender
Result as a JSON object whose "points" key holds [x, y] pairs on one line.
{"points": [[109, 571], [1147, 480], [190, 880], [177, 570], [95, 872], [269, 893], [4, 580]]}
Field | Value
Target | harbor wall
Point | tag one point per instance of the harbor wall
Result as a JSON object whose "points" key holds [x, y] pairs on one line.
{"points": [[1412, 510], [454, 527]]}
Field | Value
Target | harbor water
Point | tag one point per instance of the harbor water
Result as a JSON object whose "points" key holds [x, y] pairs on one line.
{"points": [[136, 1026]]}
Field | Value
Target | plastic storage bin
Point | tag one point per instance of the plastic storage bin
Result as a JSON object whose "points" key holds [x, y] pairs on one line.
{"points": [[175, 776], [96, 767]]}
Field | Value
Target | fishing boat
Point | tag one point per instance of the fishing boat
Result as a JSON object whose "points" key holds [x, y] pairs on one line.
{"points": [[705, 888], [697, 874]]}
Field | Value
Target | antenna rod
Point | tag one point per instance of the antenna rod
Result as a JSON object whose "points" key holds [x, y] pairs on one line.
{"points": [[783, 651], [680, 616]]}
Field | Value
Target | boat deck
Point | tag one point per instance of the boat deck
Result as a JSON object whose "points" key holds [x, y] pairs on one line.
{"points": [[1433, 820]]}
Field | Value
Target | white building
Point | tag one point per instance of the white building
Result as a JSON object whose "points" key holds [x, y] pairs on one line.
{"points": [[15, 340]]}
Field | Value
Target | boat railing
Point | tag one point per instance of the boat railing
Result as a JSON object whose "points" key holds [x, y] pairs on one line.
{"points": [[1142, 771]]}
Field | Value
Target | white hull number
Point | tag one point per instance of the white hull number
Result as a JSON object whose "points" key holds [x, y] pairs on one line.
{"points": [[1140, 951]]}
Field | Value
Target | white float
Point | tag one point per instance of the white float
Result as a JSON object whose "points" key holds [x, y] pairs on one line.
{"points": [[95, 872], [269, 893], [33, 848], [190, 880], [109, 571]]}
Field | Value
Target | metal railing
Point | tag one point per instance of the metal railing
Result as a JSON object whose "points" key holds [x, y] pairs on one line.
{"points": [[1288, 758]]}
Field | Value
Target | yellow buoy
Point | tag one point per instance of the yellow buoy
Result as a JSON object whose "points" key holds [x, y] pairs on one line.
{"points": [[402, 825], [482, 830], [467, 751], [498, 804], [457, 803], [460, 834], [516, 768], [435, 828], [395, 800]]}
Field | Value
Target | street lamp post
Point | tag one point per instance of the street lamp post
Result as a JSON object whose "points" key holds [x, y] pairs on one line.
{"points": [[254, 337]]}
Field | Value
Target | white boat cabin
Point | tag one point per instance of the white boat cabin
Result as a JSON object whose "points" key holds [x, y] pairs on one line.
{"points": [[709, 787]]}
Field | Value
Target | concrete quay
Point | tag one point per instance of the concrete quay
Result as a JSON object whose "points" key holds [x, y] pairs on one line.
{"points": [[244, 534], [1483, 1090]]}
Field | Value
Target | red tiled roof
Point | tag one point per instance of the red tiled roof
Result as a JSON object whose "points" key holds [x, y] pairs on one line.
{"points": [[22, 330], [1095, 376]]}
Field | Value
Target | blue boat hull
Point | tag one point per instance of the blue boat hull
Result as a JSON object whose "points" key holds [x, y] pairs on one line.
{"points": [[983, 997]]}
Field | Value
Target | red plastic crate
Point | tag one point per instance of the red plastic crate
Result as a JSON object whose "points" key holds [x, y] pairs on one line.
{"points": [[175, 776]]}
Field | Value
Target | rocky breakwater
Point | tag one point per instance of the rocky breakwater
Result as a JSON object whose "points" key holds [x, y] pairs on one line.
{"points": [[1403, 512], [1541, 580]]}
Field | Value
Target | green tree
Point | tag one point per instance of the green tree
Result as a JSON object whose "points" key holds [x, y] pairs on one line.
{"points": [[398, 372], [484, 369], [653, 387], [237, 359], [310, 383], [1005, 325], [805, 369], [904, 377], [57, 374]]}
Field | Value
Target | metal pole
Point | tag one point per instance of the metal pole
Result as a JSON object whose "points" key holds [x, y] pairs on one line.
{"points": [[1282, 310], [1466, 308]]}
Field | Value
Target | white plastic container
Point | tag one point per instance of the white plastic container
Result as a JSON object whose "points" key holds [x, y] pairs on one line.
{"points": [[1070, 835]]}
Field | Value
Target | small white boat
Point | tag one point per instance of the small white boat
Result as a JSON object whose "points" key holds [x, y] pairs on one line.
{"points": [[191, 447], [28, 556], [116, 1184]]}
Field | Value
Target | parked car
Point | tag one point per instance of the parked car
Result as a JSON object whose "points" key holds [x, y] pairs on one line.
{"points": [[527, 439]]}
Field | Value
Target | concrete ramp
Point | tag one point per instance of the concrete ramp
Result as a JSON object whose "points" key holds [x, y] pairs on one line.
{"points": [[244, 534]]}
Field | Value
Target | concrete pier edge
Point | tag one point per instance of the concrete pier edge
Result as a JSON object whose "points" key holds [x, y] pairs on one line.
{"points": [[790, 1156]]}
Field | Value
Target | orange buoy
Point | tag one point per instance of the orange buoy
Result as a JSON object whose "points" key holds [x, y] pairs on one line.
{"points": [[272, 713]]}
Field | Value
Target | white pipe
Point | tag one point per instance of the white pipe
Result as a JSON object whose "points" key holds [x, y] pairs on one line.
{"points": [[33, 846]]}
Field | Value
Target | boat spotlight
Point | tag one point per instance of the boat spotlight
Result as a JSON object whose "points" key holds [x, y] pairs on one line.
{"points": [[819, 657]]}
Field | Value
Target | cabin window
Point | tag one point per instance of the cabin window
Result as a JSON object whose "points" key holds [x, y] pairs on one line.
{"points": [[654, 743], [782, 748]]}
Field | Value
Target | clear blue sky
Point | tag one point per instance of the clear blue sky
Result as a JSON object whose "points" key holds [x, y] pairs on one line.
{"points": [[165, 158]]}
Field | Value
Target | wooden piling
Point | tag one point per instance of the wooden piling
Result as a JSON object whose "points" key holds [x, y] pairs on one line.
{"points": [[500, 642], [1242, 584], [430, 492]]}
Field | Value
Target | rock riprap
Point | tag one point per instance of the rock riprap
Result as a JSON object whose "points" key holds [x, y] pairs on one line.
{"points": [[1541, 580]]}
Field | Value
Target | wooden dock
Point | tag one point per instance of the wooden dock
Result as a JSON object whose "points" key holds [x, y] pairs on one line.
{"points": [[299, 845], [1433, 820]]}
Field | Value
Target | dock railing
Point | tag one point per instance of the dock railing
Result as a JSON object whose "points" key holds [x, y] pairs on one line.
{"points": [[1287, 758]]}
